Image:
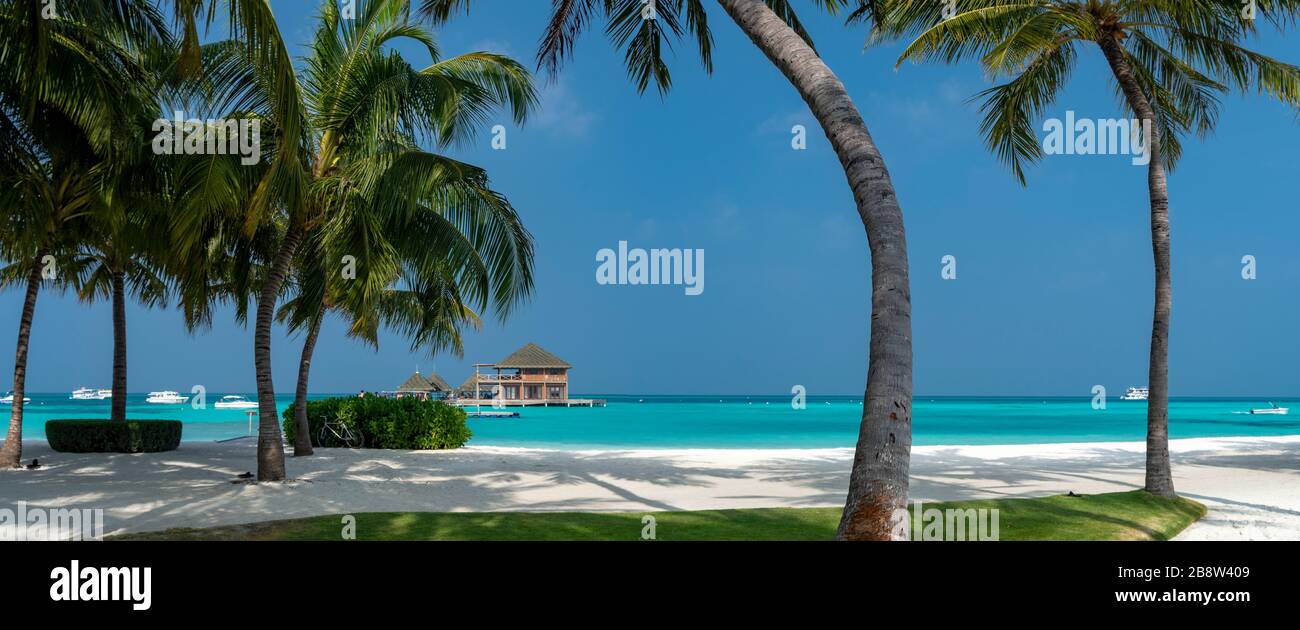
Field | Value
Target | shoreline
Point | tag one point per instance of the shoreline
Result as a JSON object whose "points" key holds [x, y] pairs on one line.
{"points": [[1250, 484], [724, 449]]}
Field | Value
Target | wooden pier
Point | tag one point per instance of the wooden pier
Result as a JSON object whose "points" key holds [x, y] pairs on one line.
{"points": [[568, 402], [492, 414]]}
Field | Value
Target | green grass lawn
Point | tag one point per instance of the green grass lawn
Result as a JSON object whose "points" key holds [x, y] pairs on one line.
{"points": [[1133, 515]]}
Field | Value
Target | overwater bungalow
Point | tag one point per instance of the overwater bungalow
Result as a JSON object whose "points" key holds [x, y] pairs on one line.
{"points": [[430, 387], [529, 376]]}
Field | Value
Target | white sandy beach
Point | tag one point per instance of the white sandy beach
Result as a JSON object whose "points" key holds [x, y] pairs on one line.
{"points": [[1251, 485]]}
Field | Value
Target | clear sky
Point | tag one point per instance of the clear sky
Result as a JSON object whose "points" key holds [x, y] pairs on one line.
{"points": [[1054, 283]]}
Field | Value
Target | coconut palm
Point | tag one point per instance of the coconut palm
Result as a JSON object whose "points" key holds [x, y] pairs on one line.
{"points": [[42, 199], [305, 311], [344, 138], [68, 87], [124, 249], [1170, 62], [423, 304], [119, 259], [879, 479]]}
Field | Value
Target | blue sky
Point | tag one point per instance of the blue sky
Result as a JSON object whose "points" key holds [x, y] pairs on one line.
{"points": [[1053, 293]]}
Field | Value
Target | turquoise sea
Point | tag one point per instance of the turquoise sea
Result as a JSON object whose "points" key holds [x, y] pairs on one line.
{"points": [[761, 422]]}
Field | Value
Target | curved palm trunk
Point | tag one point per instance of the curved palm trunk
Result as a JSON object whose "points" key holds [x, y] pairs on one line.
{"points": [[1159, 476], [270, 444], [11, 454], [302, 428], [879, 481], [119, 347]]}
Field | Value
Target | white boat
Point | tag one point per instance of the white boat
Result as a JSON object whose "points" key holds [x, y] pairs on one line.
{"points": [[85, 393], [235, 402], [166, 398], [1136, 393], [1272, 409], [9, 399]]}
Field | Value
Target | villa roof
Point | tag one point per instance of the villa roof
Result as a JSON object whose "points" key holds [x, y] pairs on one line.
{"points": [[437, 382], [533, 356], [468, 385], [418, 383]]}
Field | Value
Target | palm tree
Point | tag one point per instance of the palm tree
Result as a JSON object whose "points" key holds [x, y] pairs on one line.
{"points": [[67, 89], [879, 479], [118, 257], [344, 139], [1170, 62], [42, 201], [424, 303], [305, 311]]}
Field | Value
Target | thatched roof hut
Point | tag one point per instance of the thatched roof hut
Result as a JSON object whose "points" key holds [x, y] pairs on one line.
{"points": [[419, 385], [533, 356]]}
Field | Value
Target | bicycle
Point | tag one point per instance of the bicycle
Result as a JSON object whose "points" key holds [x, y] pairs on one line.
{"points": [[340, 433]]}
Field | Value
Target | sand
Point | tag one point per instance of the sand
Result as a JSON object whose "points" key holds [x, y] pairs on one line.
{"points": [[1251, 485]]}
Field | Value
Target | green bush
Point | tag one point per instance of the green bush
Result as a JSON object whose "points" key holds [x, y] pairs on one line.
{"points": [[106, 436], [405, 423], [317, 410]]}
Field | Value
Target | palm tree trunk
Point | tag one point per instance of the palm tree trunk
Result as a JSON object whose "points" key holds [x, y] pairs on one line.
{"points": [[302, 428], [11, 454], [270, 444], [119, 347], [879, 481], [1159, 475]]}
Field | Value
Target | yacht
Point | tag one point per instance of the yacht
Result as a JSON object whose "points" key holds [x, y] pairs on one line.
{"points": [[85, 393], [1271, 409], [235, 402], [166, 398], [9, 399], [1136, 393]]}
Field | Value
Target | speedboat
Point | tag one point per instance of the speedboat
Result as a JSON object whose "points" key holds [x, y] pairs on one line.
{"points": [[1272, 409], [235, 402], [166, 398], [86, 393], [1136, 393], [9, 399]]}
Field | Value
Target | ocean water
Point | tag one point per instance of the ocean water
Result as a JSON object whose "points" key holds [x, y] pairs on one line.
{"points": [[760, 422]]}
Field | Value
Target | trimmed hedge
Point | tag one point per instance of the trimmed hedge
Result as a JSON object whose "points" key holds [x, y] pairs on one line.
{"points": [[396, 423], [106, 436]]}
